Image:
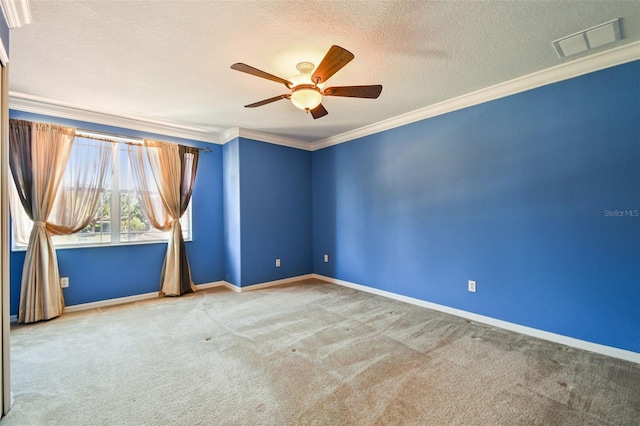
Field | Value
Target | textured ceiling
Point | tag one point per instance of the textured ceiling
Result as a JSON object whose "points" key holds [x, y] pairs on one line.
{"points": [[169, 60]]}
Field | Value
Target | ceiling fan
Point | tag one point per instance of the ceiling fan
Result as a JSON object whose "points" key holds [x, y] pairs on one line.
{"points": [[307, 88]]}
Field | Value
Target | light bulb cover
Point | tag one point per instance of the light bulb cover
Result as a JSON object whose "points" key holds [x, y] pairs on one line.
{"points": [[306, 97]]}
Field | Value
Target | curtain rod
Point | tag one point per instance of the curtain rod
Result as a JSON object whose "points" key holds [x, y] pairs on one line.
{"points": [[128, 140]]}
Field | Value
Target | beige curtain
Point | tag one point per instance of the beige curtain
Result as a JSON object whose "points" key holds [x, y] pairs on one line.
{"points": [[164, 175], [83, 183], [59, 182], [38, 154]]}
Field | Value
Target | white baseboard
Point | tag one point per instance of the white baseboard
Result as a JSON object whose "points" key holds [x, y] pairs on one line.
{"points": [[129, 299], [145, 296], [210, 285], [122, 300], [541, 334], [268, 283], [110, 302], [534, 332]]}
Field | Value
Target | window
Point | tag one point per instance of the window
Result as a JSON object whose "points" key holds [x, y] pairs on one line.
{"points": [[118, 219]]}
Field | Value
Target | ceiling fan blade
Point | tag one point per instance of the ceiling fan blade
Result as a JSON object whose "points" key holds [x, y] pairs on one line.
{"points": [[259, 73], [318, 112], [267, 101], [370, 92], [333, 61]]}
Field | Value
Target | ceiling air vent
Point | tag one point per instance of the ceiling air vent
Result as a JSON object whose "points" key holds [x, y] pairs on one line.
{"points": [[588, 39]]}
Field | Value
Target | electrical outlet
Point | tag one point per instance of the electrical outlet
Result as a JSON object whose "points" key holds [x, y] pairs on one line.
{"points": [[472, 286], [64, 282], [326, 258], [277, 263]]}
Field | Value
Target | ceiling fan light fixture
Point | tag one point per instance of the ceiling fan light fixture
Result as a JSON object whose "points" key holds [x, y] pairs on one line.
{"points": [[306, 97], [307, 89]]}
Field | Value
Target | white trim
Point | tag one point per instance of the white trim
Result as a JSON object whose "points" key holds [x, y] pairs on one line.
{"points": [[123, 300], [110, 302], [252, 287], [276, 140], [596, 62], [6, 397], [609, 58], [16, 12], [209, 285], [41, 105], [232, 287], [235, 132], [229, 135], [534, 332], [4, 57], [154, 295]]}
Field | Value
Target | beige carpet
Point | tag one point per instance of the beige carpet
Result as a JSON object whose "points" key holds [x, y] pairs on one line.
{"points": [[305, 354]]}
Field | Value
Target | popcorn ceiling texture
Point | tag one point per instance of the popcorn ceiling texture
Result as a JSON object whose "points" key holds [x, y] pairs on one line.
{"points": [[169, 60]]}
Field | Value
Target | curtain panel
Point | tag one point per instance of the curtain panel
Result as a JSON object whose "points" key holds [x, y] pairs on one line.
{"points": [[83, 182], [58, 181], [165, 175], [38, 155]]}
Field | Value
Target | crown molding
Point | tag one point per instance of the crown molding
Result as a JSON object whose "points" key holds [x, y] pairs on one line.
{"points": [[235, 132], [229, 135], [596, 62], [40, 105], [277, 140], [16, 12]]}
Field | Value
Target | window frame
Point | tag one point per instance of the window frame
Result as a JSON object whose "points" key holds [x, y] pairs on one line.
{"points": [[115, 204]]}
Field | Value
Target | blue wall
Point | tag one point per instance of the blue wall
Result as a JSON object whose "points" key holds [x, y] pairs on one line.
{"points": [[100, 273], [231, 194], [512, 193], [267, 211], [518, 194], [275, 208]]}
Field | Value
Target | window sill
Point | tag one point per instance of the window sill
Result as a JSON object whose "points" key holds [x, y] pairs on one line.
{"points": [[99, 245]]}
